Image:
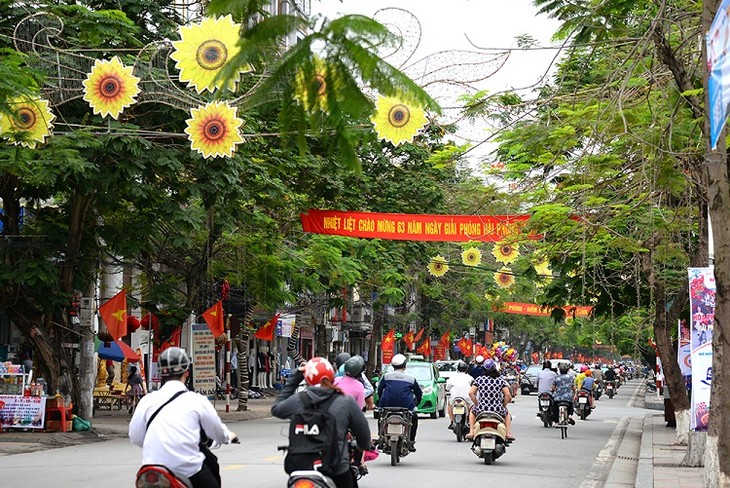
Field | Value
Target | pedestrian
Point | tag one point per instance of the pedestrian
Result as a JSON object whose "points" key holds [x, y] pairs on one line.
{"points": [[133, 389], [109, 373]]}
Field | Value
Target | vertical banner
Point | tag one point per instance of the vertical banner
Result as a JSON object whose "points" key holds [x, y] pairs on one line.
{"points": [[684, 349], [718, 66], [203, 360], [702, 303]]}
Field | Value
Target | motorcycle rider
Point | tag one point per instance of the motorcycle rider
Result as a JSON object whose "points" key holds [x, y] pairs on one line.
{"points": [[349, 383], [610, 376], [320, 375], [477, 368], [545, 381], [490, 393], [564, 391], [399, 389], [340, 361], [173, 438], [587, 384], [458, 386]]}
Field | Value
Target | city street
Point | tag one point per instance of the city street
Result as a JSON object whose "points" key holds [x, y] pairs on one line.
{"points": [[539, 458]]}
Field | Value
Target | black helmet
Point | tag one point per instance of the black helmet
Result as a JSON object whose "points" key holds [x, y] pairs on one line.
{"points": [[461, 367], [173, 361], [547, 365], [340, 359], [354, 366]]}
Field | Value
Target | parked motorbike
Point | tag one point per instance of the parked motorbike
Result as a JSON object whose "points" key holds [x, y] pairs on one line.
{"points": [[610, 389], [394, 431], [461, 418], [490, 441], [545, 402], [563, 408], [582, 404], [156, 475]]}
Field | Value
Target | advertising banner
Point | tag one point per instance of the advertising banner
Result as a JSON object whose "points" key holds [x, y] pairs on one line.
{"points": [[203, 360], [718, 66], [533, 309], [702, 303], [415, 227], [26, 412], [684, 349]]}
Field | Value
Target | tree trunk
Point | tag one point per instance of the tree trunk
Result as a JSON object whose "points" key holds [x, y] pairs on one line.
{"points": [[242, 344]]}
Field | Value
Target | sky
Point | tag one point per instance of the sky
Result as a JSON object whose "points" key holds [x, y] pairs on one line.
{"points": [[488, 24]]}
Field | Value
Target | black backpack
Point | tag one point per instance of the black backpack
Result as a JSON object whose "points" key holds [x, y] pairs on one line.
{"points": [[313, 442]]}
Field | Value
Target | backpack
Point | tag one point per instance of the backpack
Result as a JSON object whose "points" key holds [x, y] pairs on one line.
{"points": [[313, 442]]}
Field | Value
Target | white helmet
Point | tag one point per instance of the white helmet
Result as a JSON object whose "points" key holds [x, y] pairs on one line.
{"points": [[399, 361], [479, 359], [173, 361]]}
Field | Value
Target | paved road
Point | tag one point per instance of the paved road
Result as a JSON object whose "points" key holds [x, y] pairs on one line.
{"points": [[539, 458]]}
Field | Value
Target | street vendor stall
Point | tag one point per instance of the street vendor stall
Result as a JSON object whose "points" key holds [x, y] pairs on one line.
{"points": [[21, 403]]}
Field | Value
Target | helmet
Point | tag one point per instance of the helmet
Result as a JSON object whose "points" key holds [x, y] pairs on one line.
{"points": [[490, 365], [399, 361], [354, 366], [564, 367], [589, 373], [583, 368], [479, 359], [341, 358], [317, 369], [547, 365], [461, 367], [173, 361]]}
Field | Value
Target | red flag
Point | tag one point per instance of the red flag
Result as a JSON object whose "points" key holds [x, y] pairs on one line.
{"points": [[214, 318], [266, 331], [389, 340], [114, 313], [425, 348], [408, 338], [173, 341], [418, 335], [445, 340]]}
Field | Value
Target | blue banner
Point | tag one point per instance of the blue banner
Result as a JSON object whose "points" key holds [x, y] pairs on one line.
{"points": [[718, 66]]}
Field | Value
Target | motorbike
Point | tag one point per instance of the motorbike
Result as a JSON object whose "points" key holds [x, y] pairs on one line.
{"points": [[545, 403], [311, 478], [156, 476], [461, 417], [610, 389], [582, 404], [563, 422], [490, 441], [394, 431], [598, 390]]}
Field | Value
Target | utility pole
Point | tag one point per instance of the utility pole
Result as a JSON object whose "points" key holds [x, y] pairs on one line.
{"points": [[87, 366]]}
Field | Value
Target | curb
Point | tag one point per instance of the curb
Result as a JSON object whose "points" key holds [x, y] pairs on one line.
{"points": [[645, 469]]}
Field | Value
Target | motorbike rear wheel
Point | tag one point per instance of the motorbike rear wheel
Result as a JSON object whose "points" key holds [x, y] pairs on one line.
{"points": [[545, 419], [458, 429], [583, 414], [489, 458], [393, 452]]}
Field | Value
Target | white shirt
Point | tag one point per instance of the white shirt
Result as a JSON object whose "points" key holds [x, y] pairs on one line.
{"points": [[173, 436], [546, 381], [459, 385]]}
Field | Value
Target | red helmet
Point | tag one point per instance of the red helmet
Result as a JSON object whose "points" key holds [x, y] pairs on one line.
{"points": [[317, 369]]}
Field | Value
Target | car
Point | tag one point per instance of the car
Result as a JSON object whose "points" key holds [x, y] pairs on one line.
{"points": [[447, 367], [432, 385], [528, 383]]}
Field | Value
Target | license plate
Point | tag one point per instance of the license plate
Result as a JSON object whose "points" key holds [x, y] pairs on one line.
{"points": [[487, 443], [582, 400], [545, 403], [395, 429], [459, 409]]}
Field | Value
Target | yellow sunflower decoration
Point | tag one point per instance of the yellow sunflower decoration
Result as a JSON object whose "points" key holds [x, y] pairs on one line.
{"points": [[506, 253], [396, 120], [504, 278], [204, 49], [438, 266], [544, 272], [110, 87], [29, 122], [471, 257], [311, 89], [214, 129]]}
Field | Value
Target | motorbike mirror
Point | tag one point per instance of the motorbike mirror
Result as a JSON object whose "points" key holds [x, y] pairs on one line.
{"points": [[441, 379]]}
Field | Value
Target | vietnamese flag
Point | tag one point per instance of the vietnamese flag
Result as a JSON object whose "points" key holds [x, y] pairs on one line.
{"points": [[214, 318], [425, 348], [409, 340], [419, 334], [266, 331], [114, 313], [389, 340], [445, 340]]}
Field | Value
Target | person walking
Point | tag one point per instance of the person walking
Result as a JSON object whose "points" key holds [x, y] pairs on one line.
{"points": [[133, 389]]}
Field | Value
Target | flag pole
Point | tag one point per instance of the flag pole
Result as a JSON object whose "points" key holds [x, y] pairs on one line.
{"points": [[228, 363]]}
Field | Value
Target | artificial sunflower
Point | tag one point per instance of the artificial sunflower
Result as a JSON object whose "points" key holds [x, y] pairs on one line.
{"points": [[505, 253], [438, 266], [471, 257], [214, 129], [544, 272], [110, 87], [504, 278], [310, 88], [204, 49], [29, 122], [396, 120]]}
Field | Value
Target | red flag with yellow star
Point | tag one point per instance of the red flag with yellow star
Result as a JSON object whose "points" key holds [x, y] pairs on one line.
{"points": [[266, 331], [408, 339], [214, 318], [114, 314], [445, 340], [389, 340], [425, 347], [419, 334]]}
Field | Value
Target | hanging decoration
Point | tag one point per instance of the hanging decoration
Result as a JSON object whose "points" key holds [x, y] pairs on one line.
{"points": [[544, 273], [504, 278], [28, 123], [214, 130], [506, 253], [437, 266], [310, 88], [396, 120], [204, 49], [110, 87], [471, 257]]}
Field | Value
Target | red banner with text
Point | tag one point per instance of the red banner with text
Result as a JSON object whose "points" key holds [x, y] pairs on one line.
{"points": [[415, 227], [533, 309]]}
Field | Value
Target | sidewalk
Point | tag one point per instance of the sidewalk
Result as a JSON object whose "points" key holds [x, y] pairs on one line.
{"points": [[115, 423]]}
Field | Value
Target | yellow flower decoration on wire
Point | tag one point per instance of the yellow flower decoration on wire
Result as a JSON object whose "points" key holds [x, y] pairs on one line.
{"points": [[29, 122], [504, 278], [110, 87], [471, 257], [312, 92], [214, 129], [204, 49], [396, 120], [438, 266], [544, 273], [505, 253]]}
